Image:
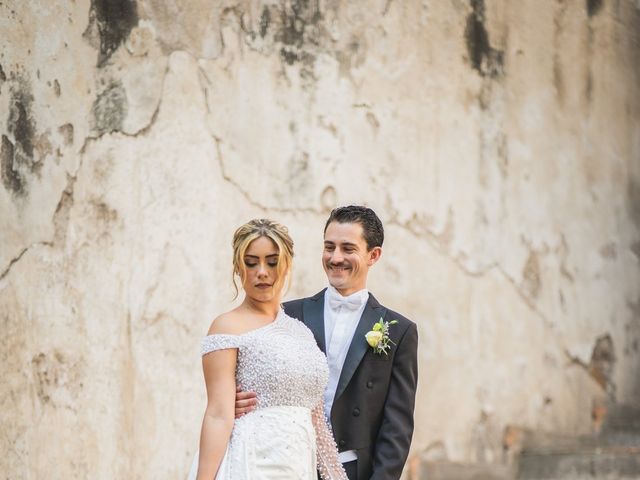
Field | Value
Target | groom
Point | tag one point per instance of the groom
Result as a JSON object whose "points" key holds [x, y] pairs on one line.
{"points": [[370, 396]]}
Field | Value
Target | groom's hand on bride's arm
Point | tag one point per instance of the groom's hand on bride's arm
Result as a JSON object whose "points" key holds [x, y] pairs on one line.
{"points": [[245, 402]]}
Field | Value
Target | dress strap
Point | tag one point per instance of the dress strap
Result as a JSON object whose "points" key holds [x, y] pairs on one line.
{"points": [[211, 343]]}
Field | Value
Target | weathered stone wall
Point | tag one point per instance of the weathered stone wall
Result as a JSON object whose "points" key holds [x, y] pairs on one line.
{"points": [[499, 141]]}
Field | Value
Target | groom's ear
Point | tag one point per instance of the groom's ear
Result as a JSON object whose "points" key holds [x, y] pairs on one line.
{"points": [[374, 255]]}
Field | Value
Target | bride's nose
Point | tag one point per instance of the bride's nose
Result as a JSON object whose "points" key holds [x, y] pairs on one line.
{"points": [[262, 271]]}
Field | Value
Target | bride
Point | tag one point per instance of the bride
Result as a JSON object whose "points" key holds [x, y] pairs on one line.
{"points": [[257, 347]]}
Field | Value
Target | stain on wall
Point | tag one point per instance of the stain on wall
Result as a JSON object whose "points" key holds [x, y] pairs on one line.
{"points": [[11, 177], [58, 379], [110, 109], [484, 59], [602, 363], [298, 27], [18, 152], [633, 200], [3, 77], [110, 22], [594, 7], [66, 131], [531, 282]]}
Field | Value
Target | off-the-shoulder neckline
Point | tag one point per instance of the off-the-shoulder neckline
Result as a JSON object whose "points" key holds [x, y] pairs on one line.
{"points": [[279, 316]]}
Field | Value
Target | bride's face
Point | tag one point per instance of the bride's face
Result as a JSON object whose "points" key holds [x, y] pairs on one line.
{"points": [[261, 265]]}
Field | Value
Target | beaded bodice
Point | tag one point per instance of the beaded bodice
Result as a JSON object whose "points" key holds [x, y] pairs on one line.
{"points": [[280, 362]]}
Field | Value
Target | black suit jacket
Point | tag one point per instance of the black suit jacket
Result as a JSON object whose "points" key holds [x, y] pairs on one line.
{"points": [[372, 412]]}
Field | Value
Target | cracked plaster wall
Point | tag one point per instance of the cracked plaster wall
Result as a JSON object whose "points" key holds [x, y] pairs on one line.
{"points": [[499, 141]]}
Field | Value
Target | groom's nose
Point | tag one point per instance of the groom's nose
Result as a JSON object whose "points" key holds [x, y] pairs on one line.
{"points": [[336, 256]]}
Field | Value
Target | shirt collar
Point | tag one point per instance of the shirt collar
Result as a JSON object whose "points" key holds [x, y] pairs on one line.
{"points": [[355, 300]]}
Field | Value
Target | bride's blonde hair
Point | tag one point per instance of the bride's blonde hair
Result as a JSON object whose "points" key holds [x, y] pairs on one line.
{"points": [[278, 234]]}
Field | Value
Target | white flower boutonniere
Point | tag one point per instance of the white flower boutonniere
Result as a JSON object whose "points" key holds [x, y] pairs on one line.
{"points": [[378, 337]]}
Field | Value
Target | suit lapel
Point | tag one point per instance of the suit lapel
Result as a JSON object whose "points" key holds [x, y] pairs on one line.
{"points": [[373, 311], [313, 316]]}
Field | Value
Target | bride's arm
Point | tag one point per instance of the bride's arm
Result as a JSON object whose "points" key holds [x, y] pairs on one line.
{"points": [[329, 466], [219, 374]]}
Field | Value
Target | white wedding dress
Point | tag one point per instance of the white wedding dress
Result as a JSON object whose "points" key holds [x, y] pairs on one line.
{"points": [[287, 436]]}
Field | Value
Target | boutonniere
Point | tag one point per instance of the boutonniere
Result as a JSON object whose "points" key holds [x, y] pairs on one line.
{"points": [[378, 337]]}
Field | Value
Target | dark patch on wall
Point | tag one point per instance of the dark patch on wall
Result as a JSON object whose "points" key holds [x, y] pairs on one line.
{"points": [[17, 150], [58, 381], [43, 147], [588, 89], [66, 131], [20, 122], [603, 360], [531, 281], [633, 201], [11, 177], [103, 212], [558, 79], [3, 77], [558, 73], [589, 81], [594, 7], [265, 20], [486, 60], [110, 109], [609, 251], [110, 22], [632, 329], [476, 36], [62, 213], [298, 30]]}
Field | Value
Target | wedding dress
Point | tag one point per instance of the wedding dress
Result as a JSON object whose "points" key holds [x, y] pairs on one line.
{"points": [[286, 436]]}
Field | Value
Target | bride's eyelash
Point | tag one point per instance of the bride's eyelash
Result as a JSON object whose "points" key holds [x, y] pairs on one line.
{"points": [[271, 264]]}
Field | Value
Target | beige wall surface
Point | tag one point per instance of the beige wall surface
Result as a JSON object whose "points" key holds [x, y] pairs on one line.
{"points": [[498, 140]]}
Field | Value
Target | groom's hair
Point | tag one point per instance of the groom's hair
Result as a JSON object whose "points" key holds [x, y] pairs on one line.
{"points": [[372, 229]]}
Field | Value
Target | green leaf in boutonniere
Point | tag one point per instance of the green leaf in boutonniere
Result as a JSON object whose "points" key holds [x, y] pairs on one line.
{"points": [[378, 337]]}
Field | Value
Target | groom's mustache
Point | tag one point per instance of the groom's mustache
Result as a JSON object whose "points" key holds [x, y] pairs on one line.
{"points": [[338, 265]]}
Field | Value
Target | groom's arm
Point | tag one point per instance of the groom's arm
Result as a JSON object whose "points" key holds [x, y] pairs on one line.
{"points": [[394, 437]]}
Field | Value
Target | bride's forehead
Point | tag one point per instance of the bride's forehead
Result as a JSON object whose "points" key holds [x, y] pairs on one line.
{"points": [[263, 246]]}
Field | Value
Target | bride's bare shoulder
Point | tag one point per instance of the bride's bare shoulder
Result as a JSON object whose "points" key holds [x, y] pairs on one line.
{"points": [[228, 323]]}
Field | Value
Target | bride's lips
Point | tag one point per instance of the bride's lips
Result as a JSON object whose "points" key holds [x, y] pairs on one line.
{"points": [[263, 286]]}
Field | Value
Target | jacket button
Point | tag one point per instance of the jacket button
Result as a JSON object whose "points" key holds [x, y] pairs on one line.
{"points": [[356, 412], [342, 443], [369, 384]]}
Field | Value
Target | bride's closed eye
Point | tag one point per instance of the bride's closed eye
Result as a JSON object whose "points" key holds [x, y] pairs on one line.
{"points": [[252, 264]]}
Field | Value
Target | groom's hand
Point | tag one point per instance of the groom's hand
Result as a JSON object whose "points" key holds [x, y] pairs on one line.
{"points": [[245, 402]]}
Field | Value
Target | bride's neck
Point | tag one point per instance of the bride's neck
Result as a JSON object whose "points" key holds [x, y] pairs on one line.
{"points": [[269, 309]]}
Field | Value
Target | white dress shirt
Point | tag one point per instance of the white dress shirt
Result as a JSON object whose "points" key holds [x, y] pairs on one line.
{"points": [[341, 317]]}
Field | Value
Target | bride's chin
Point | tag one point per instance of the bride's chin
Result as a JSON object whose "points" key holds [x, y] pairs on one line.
{"points": [[262, 297]]}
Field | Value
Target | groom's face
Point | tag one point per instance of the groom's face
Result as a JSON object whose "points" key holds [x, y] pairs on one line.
{"points": [[346, 259]]}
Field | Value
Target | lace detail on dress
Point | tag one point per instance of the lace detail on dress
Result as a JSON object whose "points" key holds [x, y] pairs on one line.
{"points": [[280, 362], [211, 343], [329, 466]]}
